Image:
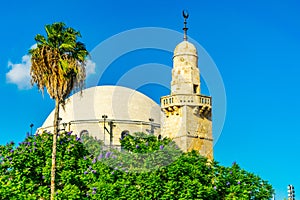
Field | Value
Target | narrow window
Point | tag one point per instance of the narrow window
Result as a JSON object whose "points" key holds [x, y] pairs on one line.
{"points": [[195, 88]]}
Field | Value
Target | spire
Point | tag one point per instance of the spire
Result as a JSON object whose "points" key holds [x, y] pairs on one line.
{"points": [[185, 16]]}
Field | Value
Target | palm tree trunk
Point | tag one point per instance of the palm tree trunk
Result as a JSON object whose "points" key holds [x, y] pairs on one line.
{"points": [[53, 167]]}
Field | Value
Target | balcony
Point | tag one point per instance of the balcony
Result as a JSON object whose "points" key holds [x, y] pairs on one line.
{"points": [[185, 99]]}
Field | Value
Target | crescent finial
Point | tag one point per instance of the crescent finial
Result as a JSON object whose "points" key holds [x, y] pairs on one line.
{"points": [[185, 14]]}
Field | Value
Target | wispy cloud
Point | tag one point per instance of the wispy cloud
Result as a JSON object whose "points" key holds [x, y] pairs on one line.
{"points": [[19, 73]]}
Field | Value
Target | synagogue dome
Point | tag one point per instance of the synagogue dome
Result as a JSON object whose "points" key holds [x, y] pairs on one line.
{"points": [[127, 109]]}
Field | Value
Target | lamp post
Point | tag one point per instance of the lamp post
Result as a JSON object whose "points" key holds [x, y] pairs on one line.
{"points": [[104, 117], [110, 132], [151, 125], [111, 125], [31, 125]]}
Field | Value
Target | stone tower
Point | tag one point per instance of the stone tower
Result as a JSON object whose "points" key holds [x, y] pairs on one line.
{"points": [[187, 113]]}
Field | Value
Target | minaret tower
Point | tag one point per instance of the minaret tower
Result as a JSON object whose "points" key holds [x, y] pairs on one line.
{"points": [[187, 113]]}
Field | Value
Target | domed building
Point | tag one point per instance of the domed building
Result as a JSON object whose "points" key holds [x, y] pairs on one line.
{"points": [[107, 112]]}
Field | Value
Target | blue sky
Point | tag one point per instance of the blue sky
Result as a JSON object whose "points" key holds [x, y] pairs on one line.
{"points": [[255, 45]]}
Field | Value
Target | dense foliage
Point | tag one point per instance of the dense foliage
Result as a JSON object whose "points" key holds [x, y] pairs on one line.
{"points": [[145, 168]]}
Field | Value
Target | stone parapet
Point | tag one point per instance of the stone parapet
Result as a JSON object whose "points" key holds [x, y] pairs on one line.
{"points": [[185, 99]]}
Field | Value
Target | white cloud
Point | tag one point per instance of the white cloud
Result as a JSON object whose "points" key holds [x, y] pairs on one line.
{"points": [[19, 73], [90, 67]]}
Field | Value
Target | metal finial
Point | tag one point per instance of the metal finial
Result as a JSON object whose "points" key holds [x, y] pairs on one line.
{"points": [[185, 15]]}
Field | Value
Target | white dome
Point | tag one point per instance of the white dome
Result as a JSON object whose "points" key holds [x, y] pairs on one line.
{"points": [[118, 103], [185, 48]]}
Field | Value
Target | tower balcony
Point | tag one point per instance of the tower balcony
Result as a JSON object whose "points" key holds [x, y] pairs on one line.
{"points": [[185, 99]]}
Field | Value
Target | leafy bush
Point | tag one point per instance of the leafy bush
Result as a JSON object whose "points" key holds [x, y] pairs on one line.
{"points": [[145, 168]]}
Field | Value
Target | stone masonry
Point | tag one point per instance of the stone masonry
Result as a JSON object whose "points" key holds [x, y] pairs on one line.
{"points": [[187, 113]]}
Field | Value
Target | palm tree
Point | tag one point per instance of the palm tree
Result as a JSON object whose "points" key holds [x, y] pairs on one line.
{"points": [[58, 64]]}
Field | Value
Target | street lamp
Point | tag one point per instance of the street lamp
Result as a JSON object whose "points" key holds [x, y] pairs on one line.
{"points": [[151, 125], [151, 119], [110, 132], [111, 125], [104, 117], [31, 125]]}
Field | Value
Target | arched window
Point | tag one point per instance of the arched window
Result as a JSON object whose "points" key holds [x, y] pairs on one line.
{"points": [[83, 134], [124, 134]]}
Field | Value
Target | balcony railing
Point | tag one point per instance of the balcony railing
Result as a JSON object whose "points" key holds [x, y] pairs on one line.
{"points": [[185, 99]]}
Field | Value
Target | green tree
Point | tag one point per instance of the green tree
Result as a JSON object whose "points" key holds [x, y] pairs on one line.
{"points": [[191, 176], [126, 174], [58, 64], [25, 169]]}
